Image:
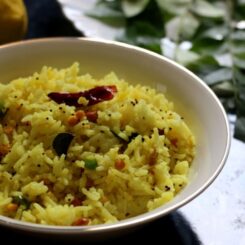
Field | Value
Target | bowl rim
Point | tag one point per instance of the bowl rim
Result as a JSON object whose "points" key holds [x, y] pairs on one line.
{"points": [[142, 218]]}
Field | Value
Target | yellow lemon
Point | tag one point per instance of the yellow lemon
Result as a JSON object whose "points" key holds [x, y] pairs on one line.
{"points": [[13, 20]]}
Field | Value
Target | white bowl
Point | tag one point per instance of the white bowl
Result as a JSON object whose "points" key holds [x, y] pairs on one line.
{"points": [[195, 101]]}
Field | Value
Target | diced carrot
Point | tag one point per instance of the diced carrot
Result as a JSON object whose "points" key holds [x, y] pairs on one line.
{"points": [[80, 221], [72, 120], [12, 207], [92, 116], [119, 164], [80, 114]]}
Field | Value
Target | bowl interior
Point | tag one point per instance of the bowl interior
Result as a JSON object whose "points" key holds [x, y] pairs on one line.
{"points": [[194, 100]]}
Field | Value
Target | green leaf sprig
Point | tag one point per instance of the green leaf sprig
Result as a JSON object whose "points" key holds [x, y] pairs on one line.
{"points": [[206, 36]]}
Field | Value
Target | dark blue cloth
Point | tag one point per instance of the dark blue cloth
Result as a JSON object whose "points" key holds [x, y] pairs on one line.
{"points": [[47, 20], [172, 229]]}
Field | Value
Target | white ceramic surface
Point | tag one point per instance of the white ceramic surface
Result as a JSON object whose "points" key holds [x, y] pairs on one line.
{"points": [[194, 100]]}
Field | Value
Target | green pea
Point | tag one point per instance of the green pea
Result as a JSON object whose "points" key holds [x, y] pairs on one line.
{"points": [[91, 164]]}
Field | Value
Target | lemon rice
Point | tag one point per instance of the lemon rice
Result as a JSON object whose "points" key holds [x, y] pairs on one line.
{"points": [[69, 159]]}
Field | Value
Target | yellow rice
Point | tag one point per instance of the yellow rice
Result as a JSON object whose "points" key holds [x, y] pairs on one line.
{"points": [[156, 161]]}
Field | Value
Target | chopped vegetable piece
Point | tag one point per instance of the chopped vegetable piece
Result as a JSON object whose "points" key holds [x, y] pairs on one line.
{"points": [[92, 116], [62, 142], [80, 221], [12, 207], [91, 164], [80, 114], [94, 96], [77, 201], [119, 164], [89, 183], [72, 120], [4, 149], [21, 201]]}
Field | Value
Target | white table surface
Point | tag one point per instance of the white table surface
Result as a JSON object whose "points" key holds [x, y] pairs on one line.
{"points": [[218, 215]]}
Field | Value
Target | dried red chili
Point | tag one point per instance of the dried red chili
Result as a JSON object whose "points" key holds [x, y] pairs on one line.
{"points": [[94, 96]]}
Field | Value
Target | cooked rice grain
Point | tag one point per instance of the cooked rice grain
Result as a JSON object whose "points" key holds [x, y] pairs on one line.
{"points": [[141, 151]]}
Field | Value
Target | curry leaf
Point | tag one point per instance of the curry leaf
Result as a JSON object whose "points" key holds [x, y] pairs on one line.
{"points": [[62, 142], [224, 89], [216, 32], [206, 46], [204, 65], [222, 74], [21, 201], [208, 10], [240, 128], [239, 60], [182, 27], [238, 36], [186, 57], [132, 8], [143, 34], [241, 2], [206, 36], [107, 12], [174, 7]]}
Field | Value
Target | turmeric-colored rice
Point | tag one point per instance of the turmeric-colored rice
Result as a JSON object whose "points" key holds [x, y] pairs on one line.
{"points": [[127, 155]]}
